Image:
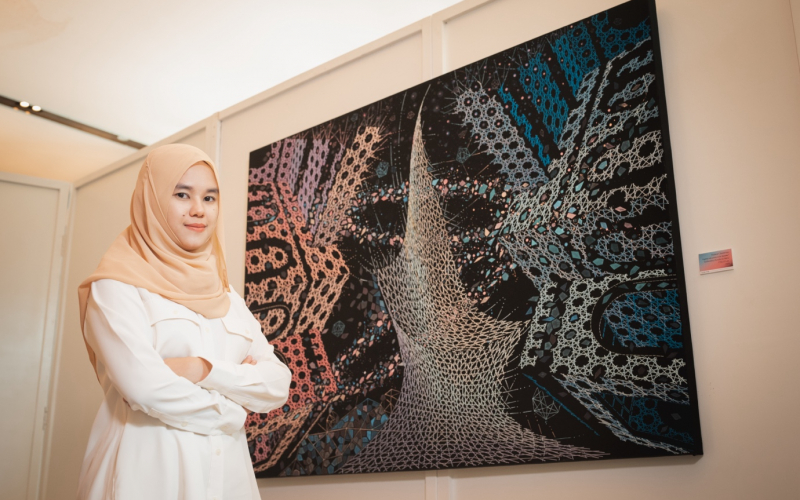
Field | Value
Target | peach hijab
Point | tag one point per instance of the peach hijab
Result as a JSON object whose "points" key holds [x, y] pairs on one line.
{"points": [[147, 254]]}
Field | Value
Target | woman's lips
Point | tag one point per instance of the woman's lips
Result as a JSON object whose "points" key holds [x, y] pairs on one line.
{"points": [[196, 227]]}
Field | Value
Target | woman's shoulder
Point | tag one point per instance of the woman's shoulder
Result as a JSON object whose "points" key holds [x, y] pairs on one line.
{"points": [[119, 295], [115, 295], [238, 304], [233, 294], [111, 287]]}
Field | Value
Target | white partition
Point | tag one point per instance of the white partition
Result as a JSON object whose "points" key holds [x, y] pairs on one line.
{"points": [[33, 228], [733, 94]]}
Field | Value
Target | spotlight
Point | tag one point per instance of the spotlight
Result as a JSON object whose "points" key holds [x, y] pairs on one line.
{"points": [[36, 109], [24, 104]]}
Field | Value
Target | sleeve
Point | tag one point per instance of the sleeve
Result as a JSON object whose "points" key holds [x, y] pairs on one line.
{"points": [[115, 328], [259, 388]]}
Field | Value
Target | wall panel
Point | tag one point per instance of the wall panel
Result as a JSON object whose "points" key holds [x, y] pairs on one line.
{"points": [[196, 139], [796, 17], [33, 228]]}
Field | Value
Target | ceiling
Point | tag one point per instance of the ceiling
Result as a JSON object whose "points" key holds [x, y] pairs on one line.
{"points": [[147, 69]]}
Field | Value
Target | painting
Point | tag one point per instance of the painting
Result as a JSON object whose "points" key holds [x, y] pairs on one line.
{"points": [[484, 269]]}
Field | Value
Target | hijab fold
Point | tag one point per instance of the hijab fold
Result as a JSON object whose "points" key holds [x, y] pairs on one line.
{"points": [[147, 254]]}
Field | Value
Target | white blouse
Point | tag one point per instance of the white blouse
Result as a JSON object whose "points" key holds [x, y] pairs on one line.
{"points": [[158, 436]]}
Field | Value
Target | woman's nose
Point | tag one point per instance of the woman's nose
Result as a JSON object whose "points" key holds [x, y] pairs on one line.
{"points": [[197, 209]]}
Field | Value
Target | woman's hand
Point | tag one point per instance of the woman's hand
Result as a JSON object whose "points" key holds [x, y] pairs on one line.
{"points": [[191, 368], [249, 360]]}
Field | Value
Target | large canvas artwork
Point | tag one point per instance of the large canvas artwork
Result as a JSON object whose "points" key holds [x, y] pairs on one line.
{"points": [[484, 269]]}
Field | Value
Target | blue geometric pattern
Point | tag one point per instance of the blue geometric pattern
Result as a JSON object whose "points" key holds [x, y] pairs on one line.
{"points": [[613, 40], [522, 121], [326, 453], [576, 55], [537, 80], [642, 415], [644, 320]]}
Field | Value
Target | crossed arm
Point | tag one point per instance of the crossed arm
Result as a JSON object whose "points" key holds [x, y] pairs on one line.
{"points": [[196, 369], [193, 394]]}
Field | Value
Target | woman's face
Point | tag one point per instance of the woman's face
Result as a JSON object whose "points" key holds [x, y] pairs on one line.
{"points": [[194, 207]]}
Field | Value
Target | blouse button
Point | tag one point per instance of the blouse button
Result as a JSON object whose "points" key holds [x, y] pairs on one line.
{"points": [[184, 424], [218, 451]]}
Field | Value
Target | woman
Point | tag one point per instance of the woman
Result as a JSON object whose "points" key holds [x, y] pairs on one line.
{"points": [[177, 353]]}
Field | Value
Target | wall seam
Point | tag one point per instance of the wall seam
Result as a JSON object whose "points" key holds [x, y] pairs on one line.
{"points": [[794, 11]]}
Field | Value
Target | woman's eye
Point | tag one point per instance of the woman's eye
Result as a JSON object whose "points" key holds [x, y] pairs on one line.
{"points": [[182, 195], [210, 199]]}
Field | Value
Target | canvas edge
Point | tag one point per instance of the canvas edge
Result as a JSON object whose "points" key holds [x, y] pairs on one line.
{"points": [[673, 211]]}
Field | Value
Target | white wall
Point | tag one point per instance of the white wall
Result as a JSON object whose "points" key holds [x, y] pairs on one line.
{"points": [[33, 227], [732, 81]]}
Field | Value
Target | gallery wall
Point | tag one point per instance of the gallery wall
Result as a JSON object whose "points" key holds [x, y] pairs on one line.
{"points": [[34, 229], [732, 83]]}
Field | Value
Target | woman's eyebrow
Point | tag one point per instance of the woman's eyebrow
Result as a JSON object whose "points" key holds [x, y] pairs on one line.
{"points": [[190, 188]]}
